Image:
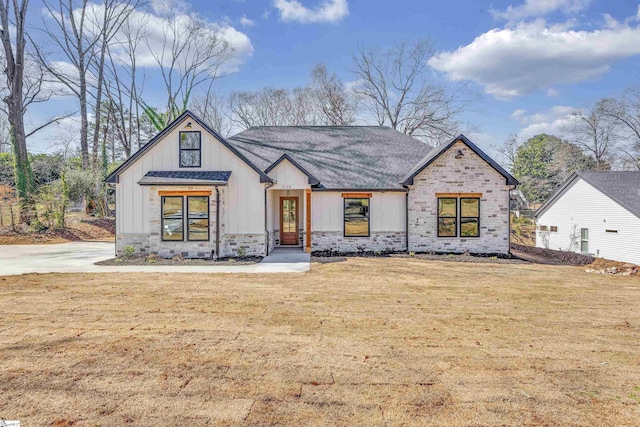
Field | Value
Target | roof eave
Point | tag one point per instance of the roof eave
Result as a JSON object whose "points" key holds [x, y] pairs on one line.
{"points": [[510, 180], [312, 180], [114, 176]]}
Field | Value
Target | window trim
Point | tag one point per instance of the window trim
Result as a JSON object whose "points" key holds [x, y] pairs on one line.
{"points": [[162, 218], [185, 219], [186, 223], [583, 240], [180, 149], [455, 217], [344, 216], [471, 217]]}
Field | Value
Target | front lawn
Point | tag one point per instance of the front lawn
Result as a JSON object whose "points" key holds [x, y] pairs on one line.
{"points": [[367, 341]]}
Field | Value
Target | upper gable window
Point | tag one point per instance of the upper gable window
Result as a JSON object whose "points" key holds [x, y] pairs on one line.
{"points": [[190, 149]]}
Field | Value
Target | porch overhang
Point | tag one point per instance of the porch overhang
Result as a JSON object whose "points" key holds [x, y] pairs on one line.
{"points": [[185, 178]]}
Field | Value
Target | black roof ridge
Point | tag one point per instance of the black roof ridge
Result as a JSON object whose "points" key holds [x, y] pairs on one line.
{"points": [[440, 149], [584, 175], [113, 177]]}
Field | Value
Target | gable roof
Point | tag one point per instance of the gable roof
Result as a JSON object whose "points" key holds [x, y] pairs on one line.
{"points": [[623, 187], [113, 176], [312, 179], [337, 157], [439, 150]]}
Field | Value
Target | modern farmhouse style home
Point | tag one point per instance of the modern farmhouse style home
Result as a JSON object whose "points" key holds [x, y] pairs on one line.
{"points": [[191, 192], [595, 213]]}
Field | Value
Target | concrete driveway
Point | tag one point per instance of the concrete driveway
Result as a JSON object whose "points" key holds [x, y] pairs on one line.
{"points": [[79, 257]]}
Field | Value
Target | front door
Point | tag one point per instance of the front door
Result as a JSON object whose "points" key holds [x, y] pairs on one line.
{"points": [[289, 221]]}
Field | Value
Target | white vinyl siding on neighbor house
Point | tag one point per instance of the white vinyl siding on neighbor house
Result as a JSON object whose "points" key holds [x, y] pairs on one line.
{"points": [[244, 199], [613, 232]]}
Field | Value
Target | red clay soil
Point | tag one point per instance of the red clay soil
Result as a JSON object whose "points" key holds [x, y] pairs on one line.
{"points": [[78, 229]]}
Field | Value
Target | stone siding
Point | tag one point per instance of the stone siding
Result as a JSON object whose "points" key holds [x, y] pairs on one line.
{"points": [[140, 243], [253, 244], [152, 243], [378, 241], [466, 174]]}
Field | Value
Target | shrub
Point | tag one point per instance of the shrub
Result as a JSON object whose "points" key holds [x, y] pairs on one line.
{"points": [[242, 252], [412, 254], [128, 251]]}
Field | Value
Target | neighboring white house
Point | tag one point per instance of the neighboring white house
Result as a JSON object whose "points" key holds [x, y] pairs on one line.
{"points": [[191, 192], [596, 213]]}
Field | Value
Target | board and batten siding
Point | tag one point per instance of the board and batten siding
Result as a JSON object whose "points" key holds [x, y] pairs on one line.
{"points": [[583, 206], [386, 211], [244, 211]]}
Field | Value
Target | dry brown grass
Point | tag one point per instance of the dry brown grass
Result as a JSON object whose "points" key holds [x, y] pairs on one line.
{"points": [[363, 342]]}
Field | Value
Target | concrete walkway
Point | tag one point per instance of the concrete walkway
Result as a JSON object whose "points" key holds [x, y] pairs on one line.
{"points": [[79, 257]]}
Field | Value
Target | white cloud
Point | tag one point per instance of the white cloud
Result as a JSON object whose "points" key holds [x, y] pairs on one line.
{"points": [[517, 114], [327, 11], [246, 22], [552, 93], [154, 27], [554, 121], [515, 61], [537, 8]]}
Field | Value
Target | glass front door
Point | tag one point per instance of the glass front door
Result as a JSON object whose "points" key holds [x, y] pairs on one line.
{"points": [[289, 221]]}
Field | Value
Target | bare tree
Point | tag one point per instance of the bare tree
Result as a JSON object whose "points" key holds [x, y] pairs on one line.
{"points": [[336, 106], [70, 35], [273, 107], [191, 54], [626, 112], [398, 89], [508, 151], [123, 87], [213, 109], [5, 134], [17, 99], [105, 22], [595, 131]]}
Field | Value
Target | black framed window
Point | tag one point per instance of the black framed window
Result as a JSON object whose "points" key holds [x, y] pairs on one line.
{"points": [[356, 217], [190, 149], [469, 217], [447, 217], [172, 218], [197, 218]]}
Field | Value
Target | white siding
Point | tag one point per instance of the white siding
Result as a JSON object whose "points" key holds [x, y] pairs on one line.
{"points": [[244, 211], [583, 206], [287, 176], [386, 211]]}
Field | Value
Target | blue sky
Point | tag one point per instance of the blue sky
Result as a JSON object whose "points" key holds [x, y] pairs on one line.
{"points": [[533, 62]]}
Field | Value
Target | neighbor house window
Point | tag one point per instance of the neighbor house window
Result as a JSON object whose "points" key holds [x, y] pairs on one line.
{"points": [[469, 217], [356, 217], [553, 228], [172, 218], [198, 218], [190, 153], [447, 217], [584, 240]]}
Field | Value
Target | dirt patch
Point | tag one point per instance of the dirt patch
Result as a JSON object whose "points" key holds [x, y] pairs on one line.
{"points": [[79, 227], [605, 266], [153, 260], [384, 341], [550, 256], [473, 258]]}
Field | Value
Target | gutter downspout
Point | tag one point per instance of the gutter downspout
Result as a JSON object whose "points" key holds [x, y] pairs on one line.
{"points": [[217, 222], [266, 228], [406, 220]]}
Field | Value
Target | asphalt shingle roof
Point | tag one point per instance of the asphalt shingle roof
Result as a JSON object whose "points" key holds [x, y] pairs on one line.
{"points": [[621, 186], [184, 177], [341, 157]]}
